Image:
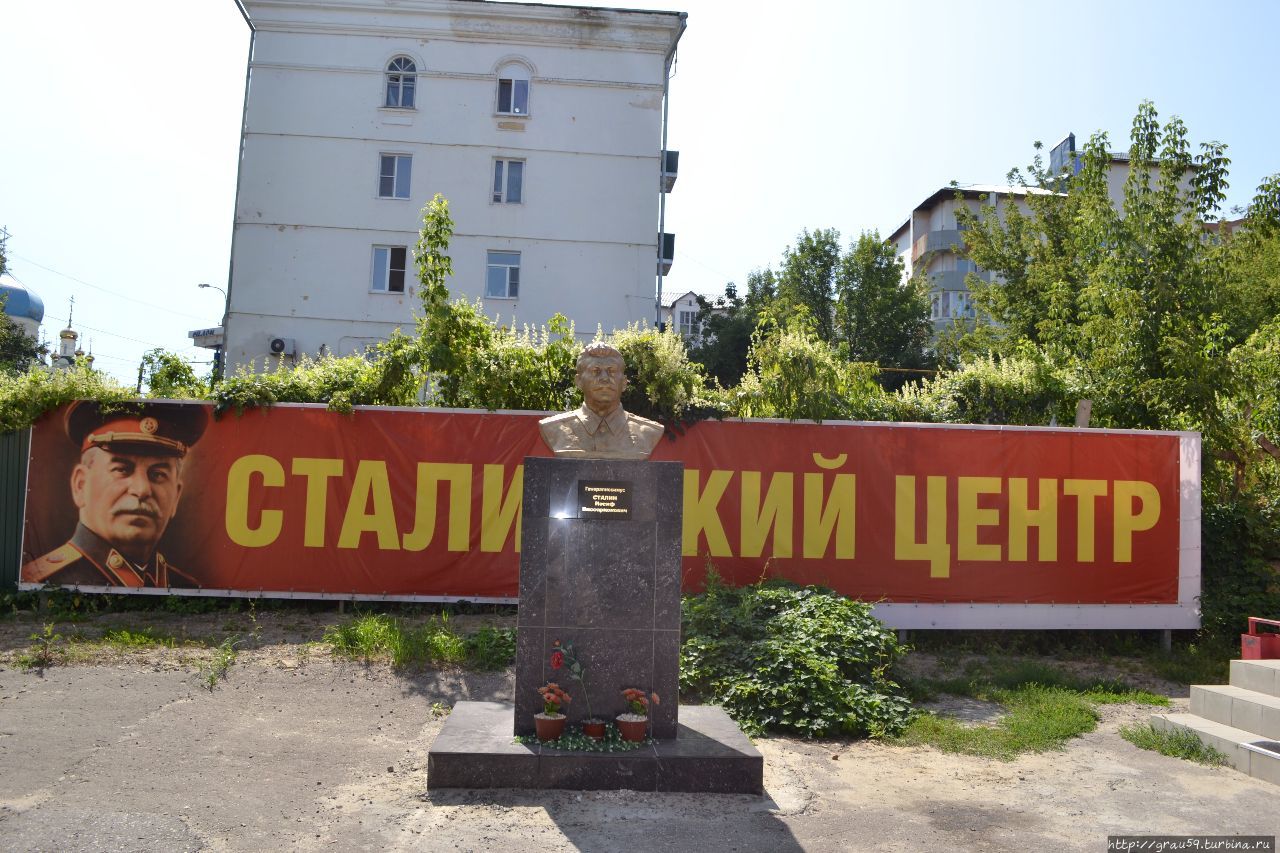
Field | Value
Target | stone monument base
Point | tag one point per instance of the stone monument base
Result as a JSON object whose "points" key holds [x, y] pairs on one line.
{"points": [[709, 754]]}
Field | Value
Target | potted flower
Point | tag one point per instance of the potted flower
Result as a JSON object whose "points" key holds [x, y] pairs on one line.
{"points": [[562, 655], [550, 723], [633, 724]]}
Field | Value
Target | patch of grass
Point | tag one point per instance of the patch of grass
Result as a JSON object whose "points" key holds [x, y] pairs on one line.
{"points": [[492, 648], [124, 639], [1200, 662], [1039, 718], [1045, 707], [215, 670], [1178, 744], [378, 636], [985, 680]]}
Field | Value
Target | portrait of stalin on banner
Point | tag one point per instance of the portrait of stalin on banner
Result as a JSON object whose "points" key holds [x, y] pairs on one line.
{"points": [[126, 487]]}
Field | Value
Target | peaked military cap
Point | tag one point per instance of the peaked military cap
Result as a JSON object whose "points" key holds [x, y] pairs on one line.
{"points": [[142, 429]]}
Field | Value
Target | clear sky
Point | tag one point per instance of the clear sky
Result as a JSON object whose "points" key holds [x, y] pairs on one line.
{"points": [[120, 124]]}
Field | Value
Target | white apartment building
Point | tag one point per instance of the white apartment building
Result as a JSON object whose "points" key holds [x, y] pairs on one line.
{"points": [[544, 127]]}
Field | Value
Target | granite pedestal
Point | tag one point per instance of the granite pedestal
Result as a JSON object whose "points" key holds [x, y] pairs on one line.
{"points": [[606, 582], [709, 754]]}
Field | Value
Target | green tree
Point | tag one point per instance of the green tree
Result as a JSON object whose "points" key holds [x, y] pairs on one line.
{"points": [[167, 375], [878, 316], [792, 373], [807, 278], [1128, 300], [726, 323]]}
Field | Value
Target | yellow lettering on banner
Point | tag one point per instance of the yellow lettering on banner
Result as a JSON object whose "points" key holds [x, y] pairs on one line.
{"points": [[836, 516], [1044, 519], [430, 475], [371, 482], [934, 548], [1086, 493], [1126, 523], [701, 516], [498, 512], [776, 514], [969, 517], [317, 472], [270, 521]]}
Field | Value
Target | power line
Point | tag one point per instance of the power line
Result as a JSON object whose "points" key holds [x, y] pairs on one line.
{"points": [[108, 291], [151, 344]]}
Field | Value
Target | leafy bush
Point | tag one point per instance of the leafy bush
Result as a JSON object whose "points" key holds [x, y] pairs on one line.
{"points": [[492, 648], [801, 660], [663, 383], [794, 374], [989, 391], [388, 379], [24, 397], [1239, 537]]}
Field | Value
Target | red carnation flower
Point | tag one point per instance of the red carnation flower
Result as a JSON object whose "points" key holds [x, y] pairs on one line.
{"points": [[557, 659]]}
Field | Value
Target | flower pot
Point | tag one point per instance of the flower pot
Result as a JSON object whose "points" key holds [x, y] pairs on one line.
{"points": [[549, 726], [633, 729], [593, 729]]}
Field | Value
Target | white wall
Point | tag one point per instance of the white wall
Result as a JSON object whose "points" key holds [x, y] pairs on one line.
{"points": [[308, 215]]}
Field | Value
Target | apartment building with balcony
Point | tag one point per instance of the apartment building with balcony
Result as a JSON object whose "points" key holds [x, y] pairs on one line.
{"points": [[931, 242], [542, 125]]}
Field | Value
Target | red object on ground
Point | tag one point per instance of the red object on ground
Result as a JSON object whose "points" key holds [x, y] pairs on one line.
{"points": [[1255, 646]]}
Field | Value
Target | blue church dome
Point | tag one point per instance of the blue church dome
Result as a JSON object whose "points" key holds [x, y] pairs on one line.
{"points": [[20, 302]]}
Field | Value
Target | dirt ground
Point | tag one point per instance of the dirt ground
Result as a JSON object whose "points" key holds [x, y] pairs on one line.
{"points": [[294, 750]]}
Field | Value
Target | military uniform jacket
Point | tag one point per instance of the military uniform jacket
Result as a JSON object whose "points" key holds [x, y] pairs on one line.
{"points": [[582, 432], [89, 560]]}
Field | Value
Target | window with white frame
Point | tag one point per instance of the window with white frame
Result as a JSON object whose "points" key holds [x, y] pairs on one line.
{"points": [[508, 181], [951, 305], [389, 264], [402, 80], [688, 323], [393, 175], [513, 96], [502, 279]]}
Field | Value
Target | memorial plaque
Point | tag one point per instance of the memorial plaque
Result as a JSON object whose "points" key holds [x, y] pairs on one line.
{"points": [[604, 499]]}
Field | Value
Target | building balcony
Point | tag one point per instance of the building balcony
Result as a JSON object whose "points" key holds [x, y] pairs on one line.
{"points": [[936, 241], [670, 166]]}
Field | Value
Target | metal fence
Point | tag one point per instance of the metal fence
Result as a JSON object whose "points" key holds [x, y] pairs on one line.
{"points": [[14, 447]]}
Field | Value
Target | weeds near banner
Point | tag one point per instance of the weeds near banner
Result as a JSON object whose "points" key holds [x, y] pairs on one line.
{"points": [[215, 670], [42, 655], [370, 637]]}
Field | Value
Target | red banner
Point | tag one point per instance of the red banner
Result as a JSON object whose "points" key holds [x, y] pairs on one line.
{"points": [[425, 503]]}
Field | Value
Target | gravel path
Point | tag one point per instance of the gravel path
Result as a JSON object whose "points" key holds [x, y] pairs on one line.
{"points": [[297, 751]]}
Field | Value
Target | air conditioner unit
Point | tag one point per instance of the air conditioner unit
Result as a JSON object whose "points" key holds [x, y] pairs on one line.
{"points": [[670, 166], [284, 346], [666, 252]]}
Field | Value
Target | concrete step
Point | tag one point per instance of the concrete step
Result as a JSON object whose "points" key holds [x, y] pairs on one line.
{"points": [[1237, 707], [1262, 676], [1260, 762]]}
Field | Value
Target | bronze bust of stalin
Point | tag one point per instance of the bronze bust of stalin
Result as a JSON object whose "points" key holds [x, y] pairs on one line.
{"points": [[600, 428]]}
